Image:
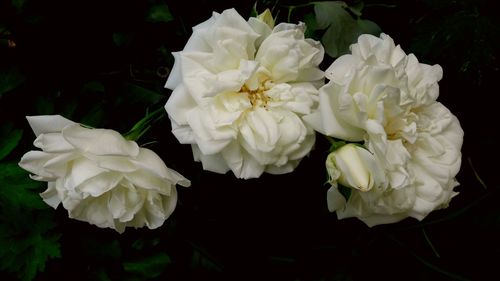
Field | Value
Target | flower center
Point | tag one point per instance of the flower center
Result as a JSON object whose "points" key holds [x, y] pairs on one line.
{"points": [[258, 96]]}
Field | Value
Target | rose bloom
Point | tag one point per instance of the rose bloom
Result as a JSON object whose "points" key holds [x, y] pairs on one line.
{"points": [[386, 99], [99, 176], [240, 90]]}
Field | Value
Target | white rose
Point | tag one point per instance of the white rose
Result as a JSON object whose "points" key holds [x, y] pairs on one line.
{"points": [[240, 90], [387, 99], [99, 176]]}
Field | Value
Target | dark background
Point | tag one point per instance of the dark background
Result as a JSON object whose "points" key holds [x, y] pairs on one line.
{"points": [[104, 63]]}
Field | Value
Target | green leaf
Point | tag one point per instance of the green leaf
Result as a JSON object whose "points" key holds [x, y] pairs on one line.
{"points": [[134, 94], [368, 27], [93, 86], [44, 105], [102, 251], [143, 125], [18, 4], [142, 243], [9, 80], [335, 144], [200, 260], [342, 29], [25, 249], [95, 115], [328, 13], [100, 275], [311, 25], [17, 190], [356, 8], [9, 139], [148, 267], [345, 191], [27, 239], [159, 13], [121, 38]]}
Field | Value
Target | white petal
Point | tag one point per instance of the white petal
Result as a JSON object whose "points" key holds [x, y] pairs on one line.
{"points": [[82, 169], [50, 196], [335, 200], [210, 139], [174, 78], [121, 164], [33, 162], [100, 184], [52, 142], [99, 141], [214, 163], [260, 28], [184, 134], [251, 168], [150, 161], [342, 69], [48, 123], [146, 180], [179, 104]]}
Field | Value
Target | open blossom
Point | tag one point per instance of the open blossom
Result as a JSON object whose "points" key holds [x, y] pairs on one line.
{"points": [[240, 90], [99, 176], [386, 99]]}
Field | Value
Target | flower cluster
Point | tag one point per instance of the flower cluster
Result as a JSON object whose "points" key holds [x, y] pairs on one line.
{"points": [[249, 97]]}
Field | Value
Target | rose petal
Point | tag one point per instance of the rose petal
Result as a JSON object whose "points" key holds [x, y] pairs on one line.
{"points": [[99, 141], [48, 123]]}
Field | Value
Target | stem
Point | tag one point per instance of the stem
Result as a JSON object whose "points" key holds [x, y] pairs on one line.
{"points": [[476, 174], [145, 124], [428, 240], [427, 263]]}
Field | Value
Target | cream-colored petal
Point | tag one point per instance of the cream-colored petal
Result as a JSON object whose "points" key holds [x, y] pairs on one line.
{"points": [[52, 142], [41, 124], [99, 141]]}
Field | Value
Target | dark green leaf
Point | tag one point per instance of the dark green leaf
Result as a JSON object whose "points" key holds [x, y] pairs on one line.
{"points": [[44, 105], [253, 12], [93, 86], [95, 116], [121, 38], [342, 29], [133, 94], [345, 191], [18, 4], [9, 80], [25, 248], [335, 144], [311, 25], [368, 27], [356, 8], [142, 243], [148, 267], [69, 108], [200, 260], [100, 275], [102, 251], [9, 138], [329, 12], [26, 224], [18, 190], [159, 13]]}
